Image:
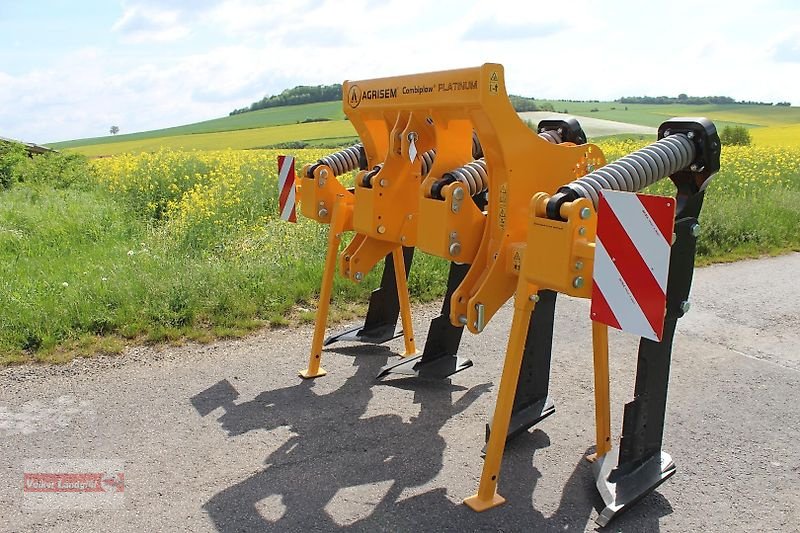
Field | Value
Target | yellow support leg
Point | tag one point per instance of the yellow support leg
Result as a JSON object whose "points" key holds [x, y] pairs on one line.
{"points": [[405, 304], [487, 496], [342, 209], [602, 398]]}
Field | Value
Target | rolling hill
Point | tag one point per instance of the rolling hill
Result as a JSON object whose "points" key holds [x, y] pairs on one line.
{"points": [[324, 124]]}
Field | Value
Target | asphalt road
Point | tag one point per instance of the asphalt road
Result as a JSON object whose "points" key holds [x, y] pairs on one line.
{"points": [[226, 437]]}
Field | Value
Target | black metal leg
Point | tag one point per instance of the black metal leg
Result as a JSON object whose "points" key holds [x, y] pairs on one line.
{"points": [[438, 359], [626, 475], [380, 325], [531, 402]]}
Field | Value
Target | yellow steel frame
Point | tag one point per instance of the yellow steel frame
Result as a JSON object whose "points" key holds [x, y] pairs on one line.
{"points": [[556, 255]]}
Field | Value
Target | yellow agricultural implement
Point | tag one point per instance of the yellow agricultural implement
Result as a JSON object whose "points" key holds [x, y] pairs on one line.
{"points": [[447, 166]]}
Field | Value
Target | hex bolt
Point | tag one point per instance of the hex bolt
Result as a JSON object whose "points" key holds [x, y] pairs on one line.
{"points": [[695, 230], [458, 194], [322, 213], [534, 298], [578, 265], [381, 229], [690, 135], [577, 282], [382, 183], [581, 231], [455, 249], [685, 306], [586, 213], [667, 133], [358, 276], [323, 173]]}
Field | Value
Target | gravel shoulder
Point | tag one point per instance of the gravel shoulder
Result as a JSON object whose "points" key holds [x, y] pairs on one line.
{"points": [[226, 437]]}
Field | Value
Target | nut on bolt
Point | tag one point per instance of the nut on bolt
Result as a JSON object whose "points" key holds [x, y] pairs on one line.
{"points": [[458, 194], [685, 306], [586, 213], [358, 276], [695, 230], [577, 282]]}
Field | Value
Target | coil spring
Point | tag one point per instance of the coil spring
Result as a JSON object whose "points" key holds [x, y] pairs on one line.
{"points": [[344, 161], [637, 170], [427, 161], [474, 174]]}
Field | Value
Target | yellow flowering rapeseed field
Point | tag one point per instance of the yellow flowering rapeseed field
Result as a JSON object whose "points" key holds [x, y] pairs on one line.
{"points": [[175, 244], [201, 196]]}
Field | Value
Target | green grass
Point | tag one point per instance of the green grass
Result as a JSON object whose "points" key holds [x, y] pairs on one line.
{"points": [[276, 116], [315, 133], [172, 246]]}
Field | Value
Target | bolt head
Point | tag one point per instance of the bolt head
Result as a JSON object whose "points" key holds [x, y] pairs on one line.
{"points": [[578, 265], [534, 298], [381, 229], [581, 231], [358, 276], [690, 135], [323, 173], [455, 249], [695, 230], [458, 194], [586, 213], [685, 306], [322, 213], [667, 133], [321, 181], [577, 282], [382, 183]]}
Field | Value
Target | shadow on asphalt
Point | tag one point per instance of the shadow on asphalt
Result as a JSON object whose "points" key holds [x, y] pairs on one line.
{"points": [[333, 448]]}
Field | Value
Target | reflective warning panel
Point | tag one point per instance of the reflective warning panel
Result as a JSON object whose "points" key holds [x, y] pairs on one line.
{"points": [[631, 262], [286, 191]]}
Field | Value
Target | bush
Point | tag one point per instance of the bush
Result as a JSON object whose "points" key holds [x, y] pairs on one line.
{"points": [[735, 136], [57, 169], [11, 155]]}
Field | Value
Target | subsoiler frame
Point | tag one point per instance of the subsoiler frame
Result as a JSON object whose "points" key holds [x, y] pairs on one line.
{"points": [[397, 204]]}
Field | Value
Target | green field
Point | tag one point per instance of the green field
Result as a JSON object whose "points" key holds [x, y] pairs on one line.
{"points": [[275, 116], [172, 245], [769, 126], [330, 132], [751, 116]]}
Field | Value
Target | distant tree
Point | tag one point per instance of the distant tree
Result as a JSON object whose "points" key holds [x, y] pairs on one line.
{"points": [[783, 104], [113, 130], [683, 96], [735, 136]]}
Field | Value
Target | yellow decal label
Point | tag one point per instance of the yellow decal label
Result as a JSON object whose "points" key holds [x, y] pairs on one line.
{"points": [[503, 203]]}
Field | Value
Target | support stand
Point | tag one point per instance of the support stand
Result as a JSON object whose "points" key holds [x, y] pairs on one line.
{"points": [[380, 324]]}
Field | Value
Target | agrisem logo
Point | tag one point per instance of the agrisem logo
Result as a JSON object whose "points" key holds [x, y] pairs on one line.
{"points": [[354, 96]]}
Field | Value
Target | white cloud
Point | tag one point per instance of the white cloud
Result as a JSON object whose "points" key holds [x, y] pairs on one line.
{"points": [[141, 23], [242, 50]]}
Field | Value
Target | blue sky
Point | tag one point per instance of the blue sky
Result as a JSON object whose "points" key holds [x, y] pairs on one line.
{"points": [[72, 69]]}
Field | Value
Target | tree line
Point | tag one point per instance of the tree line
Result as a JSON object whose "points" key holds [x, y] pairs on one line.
{"points": [[302, 94], [307, 94], [691, 100]]}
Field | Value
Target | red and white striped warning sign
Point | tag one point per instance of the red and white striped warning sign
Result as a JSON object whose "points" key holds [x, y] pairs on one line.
{"points": [[631, 262], [286, 192]]}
